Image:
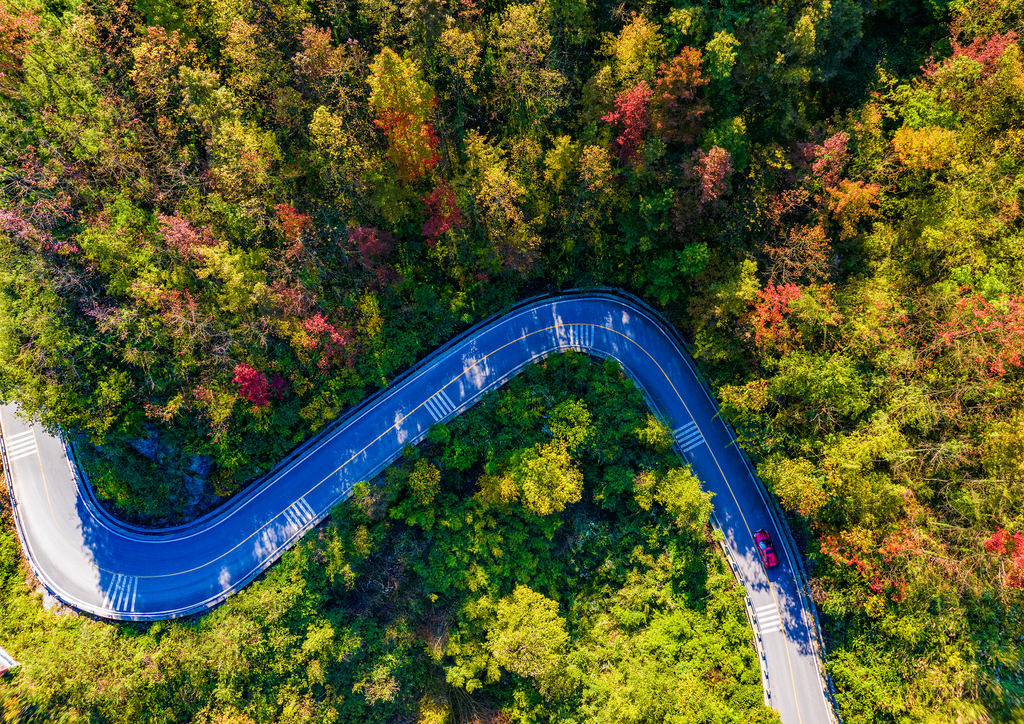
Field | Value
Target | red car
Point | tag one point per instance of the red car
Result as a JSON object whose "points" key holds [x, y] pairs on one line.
{"points": [[765, 549]]}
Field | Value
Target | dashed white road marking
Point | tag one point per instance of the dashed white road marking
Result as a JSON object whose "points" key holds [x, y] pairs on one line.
{"points": [[122, 594], [298, 515], [688, 437], [21, 445], [440, 406], [580, 336], [769, 620]]}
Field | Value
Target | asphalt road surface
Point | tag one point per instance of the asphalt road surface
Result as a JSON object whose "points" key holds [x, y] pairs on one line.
{"points": [[98, 565]]}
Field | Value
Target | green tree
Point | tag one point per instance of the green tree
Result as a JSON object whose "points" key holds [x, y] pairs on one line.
{"points": [[635, 52], [425, 482], [528, 87], [680, 493], [528, 636]]}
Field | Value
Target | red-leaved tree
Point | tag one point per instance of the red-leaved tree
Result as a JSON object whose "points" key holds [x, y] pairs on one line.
{"points": [[986, 336], [444, 213], [986, 51], [769, 316], [294, 225], [711, 170], [23, 231], [677, 109], [1012, 547], [369, 246], [830, 158], [402, 102], [332, 341], [184, 238], [252, 384], [17, 31], [633, 116]]}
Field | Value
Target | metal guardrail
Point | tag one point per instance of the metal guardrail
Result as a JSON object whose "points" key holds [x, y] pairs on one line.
{"points": [[774, 508], [748, 610], [335, 426]]}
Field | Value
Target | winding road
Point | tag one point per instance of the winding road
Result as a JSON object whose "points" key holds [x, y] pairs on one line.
{"points": [[96, 564]]}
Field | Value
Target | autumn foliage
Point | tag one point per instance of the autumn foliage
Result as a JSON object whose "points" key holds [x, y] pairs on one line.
{"points": [[17, 30], [184, 238], [402, 102], [633, 118], [444, 213], [332, 341], [1011, 550], [678, 109], [233, 221], [986, 336], [252, 385], [769, 318]]}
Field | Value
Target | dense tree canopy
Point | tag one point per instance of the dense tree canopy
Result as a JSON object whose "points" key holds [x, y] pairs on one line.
{"points": [[420, 600], [223, 224]]}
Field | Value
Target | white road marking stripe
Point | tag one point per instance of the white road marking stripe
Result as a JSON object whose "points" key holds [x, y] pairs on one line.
{"points": [[688, 427], [121, 593], [689, 438], [769, 620], [307, 511], [122, 597], [693, 444], [767, 606], [769, 631], [298, 514], [106, 596], [439, 405], [25, 450], [14, 447], [28, 454], [577, 336], [580, 333], [445, 402], [11, 439], [584, 336]]}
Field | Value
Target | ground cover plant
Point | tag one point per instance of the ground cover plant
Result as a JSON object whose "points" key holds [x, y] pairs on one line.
{"points": [[222, 224], [468, 583]]}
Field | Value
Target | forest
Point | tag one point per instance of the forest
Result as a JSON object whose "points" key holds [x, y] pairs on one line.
{"points": [[224, 223]]}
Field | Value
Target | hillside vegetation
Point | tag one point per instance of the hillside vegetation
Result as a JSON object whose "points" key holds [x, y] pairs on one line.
{"points": [[468, 583], [224, 223]]}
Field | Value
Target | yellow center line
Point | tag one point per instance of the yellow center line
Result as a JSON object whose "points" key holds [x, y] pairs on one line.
{"points": [[789, 660], [792, 675], [329, 475], [417, 408]]}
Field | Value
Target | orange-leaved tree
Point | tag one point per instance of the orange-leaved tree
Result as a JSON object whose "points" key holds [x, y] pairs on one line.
{"points": [[402, 103]]}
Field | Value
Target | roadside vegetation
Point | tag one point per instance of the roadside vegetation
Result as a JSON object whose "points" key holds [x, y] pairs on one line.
{"points": [[224, 223], [468, 583]]}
